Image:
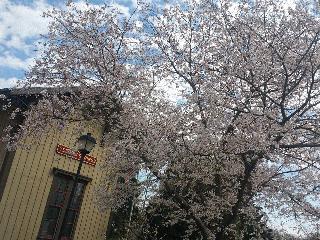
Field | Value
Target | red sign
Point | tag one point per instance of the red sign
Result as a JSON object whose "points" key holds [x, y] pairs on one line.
{"points": [[65, 151]]}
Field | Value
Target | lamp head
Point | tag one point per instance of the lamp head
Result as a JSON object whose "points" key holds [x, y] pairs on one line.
{"points": [[86, 143]]}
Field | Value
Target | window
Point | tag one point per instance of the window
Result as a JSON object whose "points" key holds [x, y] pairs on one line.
{"points": [[58, 222]]}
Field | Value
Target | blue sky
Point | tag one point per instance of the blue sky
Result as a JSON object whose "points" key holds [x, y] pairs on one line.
{"points": [[21, 25]]}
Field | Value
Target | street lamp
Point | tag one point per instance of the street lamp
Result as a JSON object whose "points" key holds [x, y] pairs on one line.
{"points": [[85, 144]]}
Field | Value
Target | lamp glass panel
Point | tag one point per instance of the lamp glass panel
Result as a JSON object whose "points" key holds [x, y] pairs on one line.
{"points": [[89, 146], [82, 144]]}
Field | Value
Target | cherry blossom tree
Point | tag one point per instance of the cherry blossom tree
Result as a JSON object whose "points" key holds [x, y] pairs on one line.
{"points": [[243, 131]]}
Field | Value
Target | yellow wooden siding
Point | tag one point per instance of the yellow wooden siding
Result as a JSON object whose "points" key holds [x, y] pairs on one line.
{"points": [[40, 185], [28, 186]]}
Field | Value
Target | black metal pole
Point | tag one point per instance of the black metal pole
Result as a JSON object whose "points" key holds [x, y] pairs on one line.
{"points": [[75, 181], [74, 186]]}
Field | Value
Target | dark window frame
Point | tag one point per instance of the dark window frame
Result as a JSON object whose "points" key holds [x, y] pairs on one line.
{"points": [[58, 175]]}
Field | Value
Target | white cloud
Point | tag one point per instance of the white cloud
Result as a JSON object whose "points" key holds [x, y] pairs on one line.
{"points": [[286, 4], [8, 83], [83, 5], [134, 3], [122, 9], [17, 43], [11, 61], [19, 22]]}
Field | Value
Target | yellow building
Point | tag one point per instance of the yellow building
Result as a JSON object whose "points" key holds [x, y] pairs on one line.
{"points": [[35, 185]]}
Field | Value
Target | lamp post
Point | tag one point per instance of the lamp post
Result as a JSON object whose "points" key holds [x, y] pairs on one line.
{"points": [[85, 144]]}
